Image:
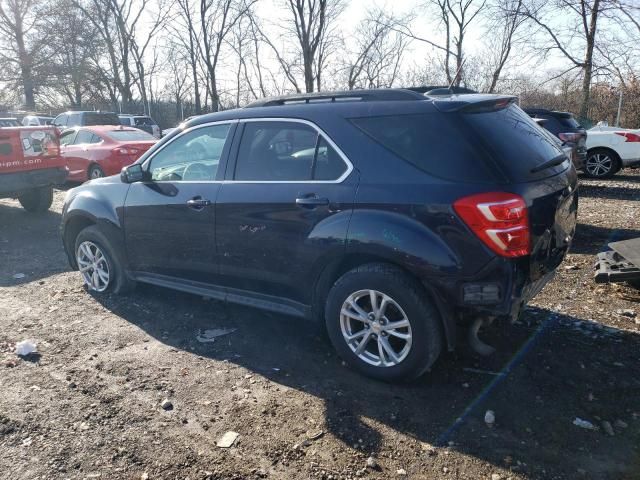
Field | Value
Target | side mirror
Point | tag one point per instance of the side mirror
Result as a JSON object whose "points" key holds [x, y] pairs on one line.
{"points": [[132, 173]]}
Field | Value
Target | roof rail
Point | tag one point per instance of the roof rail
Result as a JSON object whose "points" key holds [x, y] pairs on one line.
{"points": [[374, 95], [441, 90]]}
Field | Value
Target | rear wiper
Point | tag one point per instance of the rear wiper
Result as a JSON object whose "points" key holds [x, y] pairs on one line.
{"points": [[549, 163]]}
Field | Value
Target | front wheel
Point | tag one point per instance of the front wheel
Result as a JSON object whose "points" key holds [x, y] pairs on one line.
{"points": [[601, 163], [37, 200], [95, 172], [100, 266], [382, 323]]}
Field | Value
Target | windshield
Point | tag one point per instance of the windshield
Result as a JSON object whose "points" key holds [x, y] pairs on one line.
{"points": [[130, 136]]}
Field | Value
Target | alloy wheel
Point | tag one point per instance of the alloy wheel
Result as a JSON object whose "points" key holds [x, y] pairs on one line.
{"points": [[93, 266], [96, 173], [375, 328], [599, 164]]}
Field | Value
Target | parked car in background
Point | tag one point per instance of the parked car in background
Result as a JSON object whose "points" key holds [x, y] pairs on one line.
{"points": [[30, 165], [389, 214], [564, 126], [611, 149], [143, 122], [85, 119], [36, 120], [9, 122], [94, 152]]}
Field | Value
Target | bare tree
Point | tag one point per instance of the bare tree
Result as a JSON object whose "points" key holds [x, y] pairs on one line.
{"points": [[21, 45], [585, 16], [375, 61], [313, 25]]}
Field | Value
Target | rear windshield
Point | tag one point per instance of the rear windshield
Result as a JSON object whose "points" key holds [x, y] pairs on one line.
{"points": [[130, 135], [494, 146], [569, 122], [516, 143], [144, 121], [91, 118]]}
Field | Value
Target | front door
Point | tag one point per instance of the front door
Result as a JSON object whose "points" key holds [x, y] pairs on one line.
{"points": [[169, 220], [284, 207]]}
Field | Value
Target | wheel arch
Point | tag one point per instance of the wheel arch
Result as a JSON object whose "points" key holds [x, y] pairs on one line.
{"points": [[339, 266]]}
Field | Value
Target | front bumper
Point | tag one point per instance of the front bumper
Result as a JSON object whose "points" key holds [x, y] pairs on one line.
{"points": [[14, 184]]}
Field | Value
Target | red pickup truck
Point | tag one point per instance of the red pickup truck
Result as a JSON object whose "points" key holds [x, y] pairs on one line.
{"points": [[30, 165]]}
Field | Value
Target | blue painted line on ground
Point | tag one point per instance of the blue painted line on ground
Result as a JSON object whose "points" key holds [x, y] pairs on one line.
{"points": [[444, 438]]}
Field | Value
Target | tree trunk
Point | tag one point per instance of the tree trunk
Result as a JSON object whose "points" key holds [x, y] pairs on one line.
{"points": [[588, 60]]}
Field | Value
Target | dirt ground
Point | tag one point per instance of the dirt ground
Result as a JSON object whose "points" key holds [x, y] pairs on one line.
{"points": [[89, 404]]}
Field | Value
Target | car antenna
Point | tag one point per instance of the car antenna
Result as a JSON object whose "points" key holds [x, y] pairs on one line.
{"points": [[456, 76]]}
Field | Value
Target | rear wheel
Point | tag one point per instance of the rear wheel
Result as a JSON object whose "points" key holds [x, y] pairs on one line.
{"points": [[382, 324], [37, 200], [95, 172], [100, 266], [601, 163]]}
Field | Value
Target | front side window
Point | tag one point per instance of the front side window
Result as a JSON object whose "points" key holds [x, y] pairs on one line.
{"points": [[285, 151], [192, 156]]}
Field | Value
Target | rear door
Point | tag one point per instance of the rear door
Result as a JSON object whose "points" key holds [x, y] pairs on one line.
{"points": [[169, 220], [284, 207]]}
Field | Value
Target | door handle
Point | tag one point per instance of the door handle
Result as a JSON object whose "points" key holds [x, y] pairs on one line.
{"points": [[198, 203], [311, 201]]}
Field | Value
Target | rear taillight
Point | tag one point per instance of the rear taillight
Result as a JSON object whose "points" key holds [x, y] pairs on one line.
{"points": [[629, 137], [499, 219], [570, 137]]}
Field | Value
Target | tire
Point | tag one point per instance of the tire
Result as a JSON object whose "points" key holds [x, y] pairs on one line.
{"points": [[95, 172], [95, 241], [424, 323], [601, 163], [37, 200]]}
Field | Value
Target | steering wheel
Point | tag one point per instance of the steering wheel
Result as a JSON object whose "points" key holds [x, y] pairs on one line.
{"points": [[196, 171]]}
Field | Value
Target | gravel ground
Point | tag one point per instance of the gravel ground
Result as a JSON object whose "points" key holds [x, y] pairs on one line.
{"points": [[88, 405]]}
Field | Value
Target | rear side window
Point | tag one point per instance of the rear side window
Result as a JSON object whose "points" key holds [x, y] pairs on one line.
{"points": [[131, 135], [60, 120], [286, 151], [124, 121], [86, 137], [94, 118], [436, 143]]}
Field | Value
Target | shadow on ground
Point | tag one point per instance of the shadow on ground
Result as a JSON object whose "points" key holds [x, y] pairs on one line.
{"points": [[591, 239], [550, 366], [25, 248]]}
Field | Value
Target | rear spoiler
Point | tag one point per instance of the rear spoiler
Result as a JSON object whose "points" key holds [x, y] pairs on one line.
{"points": [[498, 102]]}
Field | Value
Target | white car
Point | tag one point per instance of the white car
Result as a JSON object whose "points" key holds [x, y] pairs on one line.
{"points": [[36, 120], [609, 149]]}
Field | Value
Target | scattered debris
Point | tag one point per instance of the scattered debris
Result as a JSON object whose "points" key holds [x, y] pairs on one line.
{"points": [[401, 472], [372, 463], [166, 404], [490, 418], [209, 336], [571, 267], [26, 347], [578, 422], [496, 476], [606, 426], [315, 435], [627, 312], [227, 440]]}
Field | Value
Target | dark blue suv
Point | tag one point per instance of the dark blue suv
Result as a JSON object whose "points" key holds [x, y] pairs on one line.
{"points": [[392, 215]]}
